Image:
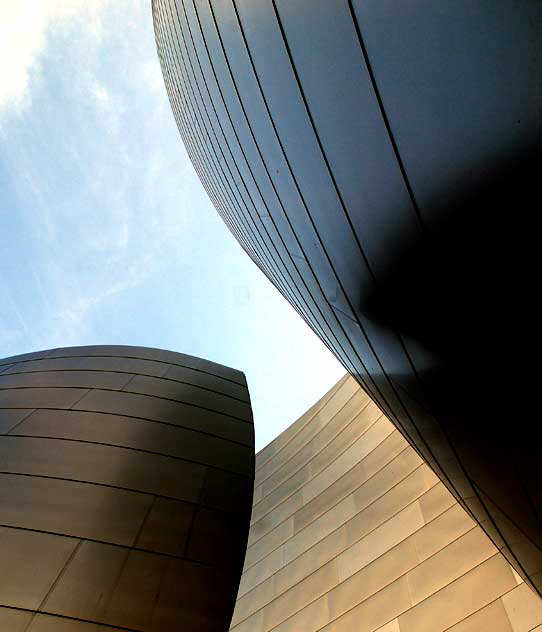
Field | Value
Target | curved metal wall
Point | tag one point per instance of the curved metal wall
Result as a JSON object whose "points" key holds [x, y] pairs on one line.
{"points": [[334, 138], [351, 531], [126, 482]]}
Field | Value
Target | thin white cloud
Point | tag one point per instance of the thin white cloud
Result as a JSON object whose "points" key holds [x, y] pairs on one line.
{"points": [[110, 235], [25, 26], [152, 76], [72, 318], [100, 94]]}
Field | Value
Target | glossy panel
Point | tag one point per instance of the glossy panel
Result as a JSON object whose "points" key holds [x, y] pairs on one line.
{"points": [[135, 433], [102, 464], [206, 380], [492, 617], [121, 514], [92, 363], [167, 527], [419, 82], [144, 353], [31, 562], [11, 418], [85, 587], [65, 379], [41, 397], [47, 623], [76, 509], [382, 547], [14, 620], [350, 147], [167, 411]]}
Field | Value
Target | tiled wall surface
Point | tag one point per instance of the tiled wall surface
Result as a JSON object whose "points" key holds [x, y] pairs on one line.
{"points": [[352, 532], [126, 480]]}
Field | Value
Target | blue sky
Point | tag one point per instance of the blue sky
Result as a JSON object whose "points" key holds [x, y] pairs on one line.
{"points": [[107, 236]]}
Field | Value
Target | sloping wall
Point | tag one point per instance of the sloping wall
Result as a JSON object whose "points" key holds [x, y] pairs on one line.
{"points": [[352, 532], [126, 479], [366, 155]]}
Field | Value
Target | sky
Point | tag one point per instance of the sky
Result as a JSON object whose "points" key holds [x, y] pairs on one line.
{"points": [[106, 234]]}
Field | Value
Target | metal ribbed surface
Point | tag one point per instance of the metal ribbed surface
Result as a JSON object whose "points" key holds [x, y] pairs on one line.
{"points": [[328, 136], [126, 479], [351, 531]]}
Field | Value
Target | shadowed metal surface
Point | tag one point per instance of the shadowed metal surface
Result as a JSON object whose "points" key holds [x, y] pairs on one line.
{"points": [[126, 478], [378, 161]]}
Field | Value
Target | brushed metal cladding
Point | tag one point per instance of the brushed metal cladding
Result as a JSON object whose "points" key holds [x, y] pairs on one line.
{"points": [[126, 482], [378, 161], [352, 532]]}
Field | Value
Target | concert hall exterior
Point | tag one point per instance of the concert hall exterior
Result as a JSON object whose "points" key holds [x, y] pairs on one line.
{"points": [[126, 482], [378, 161], [126, 479], [352, 532]]}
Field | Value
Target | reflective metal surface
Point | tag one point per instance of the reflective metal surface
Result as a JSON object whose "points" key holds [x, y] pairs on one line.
{"points": [[379, 161], [356, 534], [124, 496]]}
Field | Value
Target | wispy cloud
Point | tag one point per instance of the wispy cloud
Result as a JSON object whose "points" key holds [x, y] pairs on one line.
{"points": [[73, 160], [100, 94], [25, 26], [106, 233]]}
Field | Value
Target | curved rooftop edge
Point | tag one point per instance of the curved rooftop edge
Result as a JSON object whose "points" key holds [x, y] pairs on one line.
{"points": [[378, 161], [126, 484], [351, 530]]}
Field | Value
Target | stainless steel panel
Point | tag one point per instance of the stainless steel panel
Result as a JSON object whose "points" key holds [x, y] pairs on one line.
{"points": [[194, 597], [146, 353], [31, 563], [187, 393], [92, 363], [134, 599], [168, 527], [73, 542], [451, 107], [328, 135], [65, 379], [226, 491], [14, 620], [199, 378], [40, 397], [48, 623], [86, 587], [137, 433], [10, 418], [210, 529], [78, 509], [102, 464], [336, 84], [169, 412]]}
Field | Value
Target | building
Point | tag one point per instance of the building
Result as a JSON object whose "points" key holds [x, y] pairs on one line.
{"points": [[352, 531], [378, 161], [126, 479]]}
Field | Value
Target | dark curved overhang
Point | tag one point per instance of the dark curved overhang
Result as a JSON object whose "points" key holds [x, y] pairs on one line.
{"points": [[378, 160]]}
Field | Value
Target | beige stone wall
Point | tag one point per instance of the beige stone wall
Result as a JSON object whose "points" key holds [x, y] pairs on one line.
{"points": [[351, 531]]}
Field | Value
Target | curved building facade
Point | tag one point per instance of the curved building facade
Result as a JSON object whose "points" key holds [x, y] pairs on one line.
{"points": [[352, 531], [126, 481], [378, 161]]}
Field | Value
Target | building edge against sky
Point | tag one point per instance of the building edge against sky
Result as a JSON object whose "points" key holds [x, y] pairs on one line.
{"points": [[126, 482], [351, 530], [127, 475], [333, 138]]}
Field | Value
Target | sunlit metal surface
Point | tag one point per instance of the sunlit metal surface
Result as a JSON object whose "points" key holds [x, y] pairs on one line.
{"points": [[352, 532], [126, 479]]}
